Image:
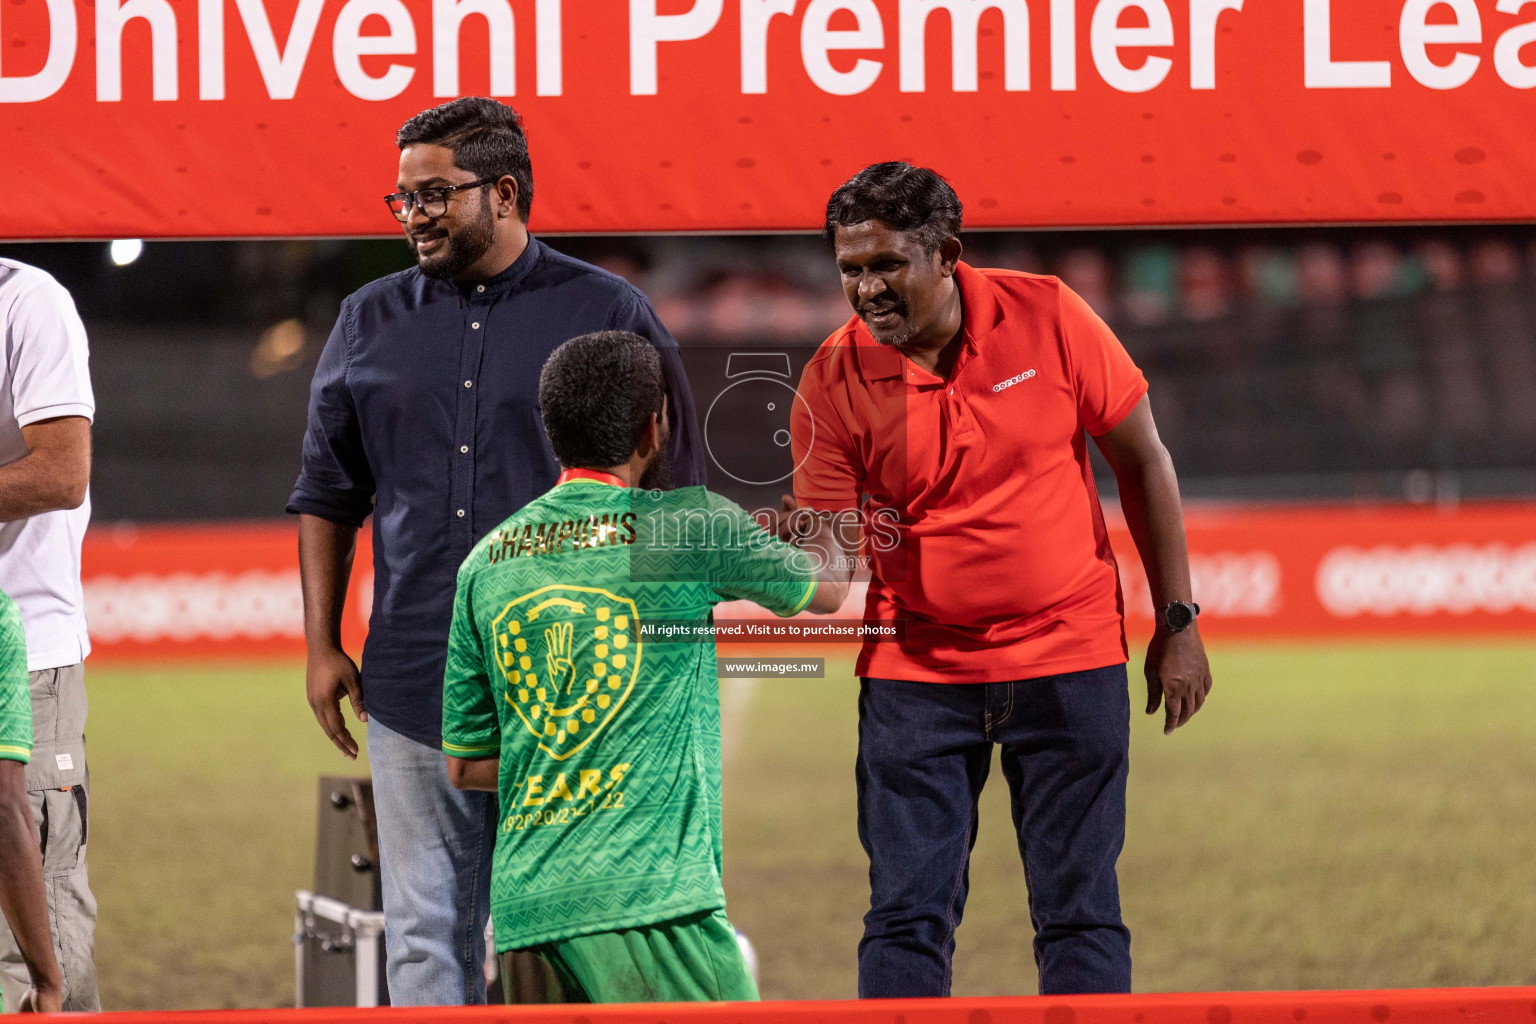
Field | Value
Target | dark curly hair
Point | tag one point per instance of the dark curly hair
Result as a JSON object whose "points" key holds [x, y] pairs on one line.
{"points": [[597, 392], [486, 138], [900, 196]]}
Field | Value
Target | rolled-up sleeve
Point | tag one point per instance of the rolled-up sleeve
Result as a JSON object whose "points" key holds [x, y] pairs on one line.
{"points": [[335, 481], [633, 313]]}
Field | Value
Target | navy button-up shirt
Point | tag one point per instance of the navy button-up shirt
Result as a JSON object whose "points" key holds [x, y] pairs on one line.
{"points": [[424, 412]]}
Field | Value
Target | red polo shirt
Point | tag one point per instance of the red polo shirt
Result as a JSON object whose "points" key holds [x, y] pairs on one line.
{"points": [[982, 523]]}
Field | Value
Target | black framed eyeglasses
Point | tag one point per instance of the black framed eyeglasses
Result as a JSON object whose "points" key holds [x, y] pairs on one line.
{"points": [[433, 202]]}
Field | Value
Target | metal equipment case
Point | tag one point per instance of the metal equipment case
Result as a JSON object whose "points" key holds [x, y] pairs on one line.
{"points": [[338, 930]]}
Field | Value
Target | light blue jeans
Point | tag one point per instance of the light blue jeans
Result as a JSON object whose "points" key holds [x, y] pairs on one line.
{"points": [[435, 846]]}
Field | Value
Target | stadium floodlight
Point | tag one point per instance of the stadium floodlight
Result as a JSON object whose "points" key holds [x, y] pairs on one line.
{"points": [[124, 251]]}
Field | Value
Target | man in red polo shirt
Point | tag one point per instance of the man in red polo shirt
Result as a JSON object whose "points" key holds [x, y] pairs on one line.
{"points": [[951, 411]]}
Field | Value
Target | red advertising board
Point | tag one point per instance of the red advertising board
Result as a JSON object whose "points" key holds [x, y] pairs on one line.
{"points": [[206, 591], [154, 592], [1418, 1006], [1398, 571], [196, 118]]}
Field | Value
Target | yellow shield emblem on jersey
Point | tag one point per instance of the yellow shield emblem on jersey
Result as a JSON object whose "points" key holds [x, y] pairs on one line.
{"points": [[570, 656]]}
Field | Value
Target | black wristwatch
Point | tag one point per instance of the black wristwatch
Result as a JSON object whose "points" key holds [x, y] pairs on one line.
{"points": [[1178, 616]]}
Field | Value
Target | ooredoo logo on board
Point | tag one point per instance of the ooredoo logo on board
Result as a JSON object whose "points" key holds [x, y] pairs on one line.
{"points": [[1425, 579]]}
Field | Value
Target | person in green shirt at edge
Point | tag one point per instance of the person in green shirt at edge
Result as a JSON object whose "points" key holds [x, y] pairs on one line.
{"points": [[602, 742], [22, 896]]}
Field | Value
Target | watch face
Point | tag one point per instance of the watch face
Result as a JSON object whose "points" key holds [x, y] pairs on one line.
{"points": [[1178, 615]]}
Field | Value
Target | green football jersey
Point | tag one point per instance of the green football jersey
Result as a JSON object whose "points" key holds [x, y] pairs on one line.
{"points": [[609, 740], [15, 690]]}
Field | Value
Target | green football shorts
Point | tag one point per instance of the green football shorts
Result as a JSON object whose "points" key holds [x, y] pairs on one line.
{"points": [[689, 959]]}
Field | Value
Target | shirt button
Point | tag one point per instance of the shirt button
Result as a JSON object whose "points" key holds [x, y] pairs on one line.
{"points": [[469, 383], [479, 287], [464, 449], [475, 325], [461, 513]]}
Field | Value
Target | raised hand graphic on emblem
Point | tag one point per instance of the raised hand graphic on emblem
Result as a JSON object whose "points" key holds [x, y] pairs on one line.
{"points": [[557, 656]]}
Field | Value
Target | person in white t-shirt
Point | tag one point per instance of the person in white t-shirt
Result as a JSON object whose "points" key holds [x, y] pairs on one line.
{"points": [[46, 407]]}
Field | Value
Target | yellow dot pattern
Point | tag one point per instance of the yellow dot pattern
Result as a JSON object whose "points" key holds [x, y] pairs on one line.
{"points": [[539, 702]]}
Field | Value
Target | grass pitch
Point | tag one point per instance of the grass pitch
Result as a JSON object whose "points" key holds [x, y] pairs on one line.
{"points": [[1338, 816]]}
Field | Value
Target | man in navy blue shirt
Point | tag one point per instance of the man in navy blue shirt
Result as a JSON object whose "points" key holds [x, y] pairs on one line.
{"points": [[424, 414]]}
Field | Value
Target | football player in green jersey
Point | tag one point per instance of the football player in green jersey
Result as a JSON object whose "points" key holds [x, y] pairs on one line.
{"points": [[23, 899], [602, 742]]}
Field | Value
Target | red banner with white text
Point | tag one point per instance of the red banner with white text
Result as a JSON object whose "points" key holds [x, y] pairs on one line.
{"points": [[198, 591], [197, 118]]}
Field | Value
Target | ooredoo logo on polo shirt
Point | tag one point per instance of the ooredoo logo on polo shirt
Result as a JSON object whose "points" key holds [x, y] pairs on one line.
{"points": [[1011, 381]]}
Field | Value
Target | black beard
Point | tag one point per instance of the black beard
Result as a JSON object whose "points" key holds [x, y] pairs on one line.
{"points": [[465, 247], [658, 475]]}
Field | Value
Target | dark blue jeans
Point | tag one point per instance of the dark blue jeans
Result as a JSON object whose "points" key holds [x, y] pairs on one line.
{"points": [[924, 753]]}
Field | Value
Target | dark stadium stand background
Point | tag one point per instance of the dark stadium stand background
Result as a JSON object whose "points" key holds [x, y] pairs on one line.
{"points": [[1342, 364]]}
